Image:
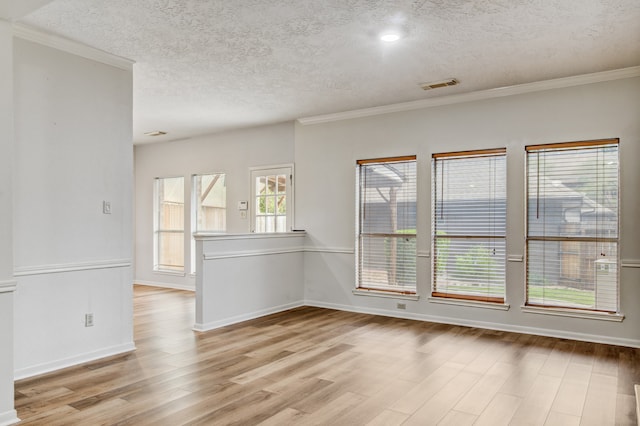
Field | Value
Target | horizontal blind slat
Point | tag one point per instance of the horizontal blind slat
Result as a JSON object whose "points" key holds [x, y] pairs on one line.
{"points": [[572, 225], [387, 224], [469, 225]]}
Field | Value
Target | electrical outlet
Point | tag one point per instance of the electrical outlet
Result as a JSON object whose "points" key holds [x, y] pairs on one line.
{"points": [[401, 305], [88, 320], [106, 207]]}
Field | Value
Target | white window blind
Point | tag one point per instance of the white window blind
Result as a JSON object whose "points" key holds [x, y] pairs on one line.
{"points": [[572, 225], [169, 224], [387, 224], [469, 225]]}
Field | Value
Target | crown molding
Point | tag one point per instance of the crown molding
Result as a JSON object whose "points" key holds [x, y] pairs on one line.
{"points": [[26, 32], [537, 86]]}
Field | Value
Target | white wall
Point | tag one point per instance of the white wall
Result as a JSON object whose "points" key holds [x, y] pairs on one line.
{"points": [[7, 284], [231, 153], [247, 276], [73, 150], [6, 147], [325, 158]]}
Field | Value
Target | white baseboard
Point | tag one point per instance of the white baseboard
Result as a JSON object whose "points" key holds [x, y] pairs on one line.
{"points": [[9, 418], [245, 317], [165, 285], [48, 367], [632, 343], [637, 389]]}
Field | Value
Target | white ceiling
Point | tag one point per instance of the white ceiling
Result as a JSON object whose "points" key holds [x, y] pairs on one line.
{"points": [[205, 66]]}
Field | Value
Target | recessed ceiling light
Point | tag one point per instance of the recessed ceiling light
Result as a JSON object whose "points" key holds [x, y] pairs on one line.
{"points": [[390, 37], [156, 133]]}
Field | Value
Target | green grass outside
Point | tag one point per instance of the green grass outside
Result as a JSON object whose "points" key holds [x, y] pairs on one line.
{"points": [[479, 290], [564, 296], [569, 296]]}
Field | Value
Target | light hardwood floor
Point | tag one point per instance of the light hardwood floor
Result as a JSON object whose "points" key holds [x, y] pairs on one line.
{"points": [[319, 366]]}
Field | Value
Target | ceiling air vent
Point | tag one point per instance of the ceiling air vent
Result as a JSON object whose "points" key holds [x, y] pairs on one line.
{"points": [[439, 84]]}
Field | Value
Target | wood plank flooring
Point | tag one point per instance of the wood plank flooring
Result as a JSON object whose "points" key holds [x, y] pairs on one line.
{"points": [[317, 366]]}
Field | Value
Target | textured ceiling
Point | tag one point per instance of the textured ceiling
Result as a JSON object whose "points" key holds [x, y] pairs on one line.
{"points": [[204, 66]]}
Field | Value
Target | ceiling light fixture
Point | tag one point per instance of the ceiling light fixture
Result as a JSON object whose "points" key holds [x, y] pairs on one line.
{"points": [[390, 37], [156, 133], [439, 84]]}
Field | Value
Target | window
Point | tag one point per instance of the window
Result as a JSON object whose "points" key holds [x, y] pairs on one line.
{"points": [[469, 225], [572, 225], [169, 224], [272, 199], [386, 224], [209, 207]]}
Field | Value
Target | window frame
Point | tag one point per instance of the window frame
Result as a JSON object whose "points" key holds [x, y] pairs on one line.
{"points": [[540, 307], [289, 171], [462, 155], [410, 293], [157, 230]]}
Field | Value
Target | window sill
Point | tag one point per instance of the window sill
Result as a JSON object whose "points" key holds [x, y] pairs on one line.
{"points": [[173, 273], [573, 313], [386, 294], [470, 303]]}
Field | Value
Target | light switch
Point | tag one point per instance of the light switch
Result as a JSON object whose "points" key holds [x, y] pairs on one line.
{"points": [[106, 207]]}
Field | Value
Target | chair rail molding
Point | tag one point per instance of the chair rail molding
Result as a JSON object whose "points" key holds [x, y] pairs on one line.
{"points": [[8, 286], [71, 267], [630, 263]]}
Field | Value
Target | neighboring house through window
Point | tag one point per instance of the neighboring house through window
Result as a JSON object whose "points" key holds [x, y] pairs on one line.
{"points": [[572, 225], [386, 224], [168, 224], [469, 225]]}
